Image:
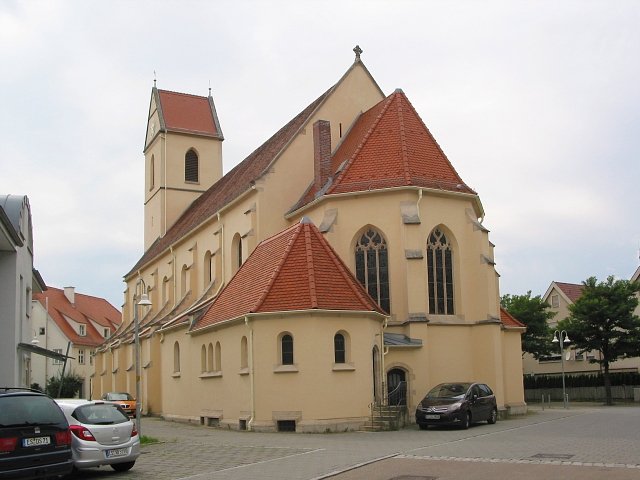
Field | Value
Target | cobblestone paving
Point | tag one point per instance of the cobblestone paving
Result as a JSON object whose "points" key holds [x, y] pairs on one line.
{"points": [[594, 437]]}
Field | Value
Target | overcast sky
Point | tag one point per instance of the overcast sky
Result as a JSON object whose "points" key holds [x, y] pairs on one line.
{"points": [[536, 104]]}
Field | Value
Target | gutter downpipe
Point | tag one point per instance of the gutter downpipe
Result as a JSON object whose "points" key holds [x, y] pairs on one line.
{"points": [[418, 202], [383, 369], [252, 382]]}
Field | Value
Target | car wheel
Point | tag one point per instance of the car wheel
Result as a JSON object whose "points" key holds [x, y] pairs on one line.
{"points": [[466, 421], [493, 417], [423, 426], [123, 467]]}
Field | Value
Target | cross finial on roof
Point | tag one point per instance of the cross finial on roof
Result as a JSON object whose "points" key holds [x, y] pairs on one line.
{"points": [[154, 79], [358, 51], [209, 87]]}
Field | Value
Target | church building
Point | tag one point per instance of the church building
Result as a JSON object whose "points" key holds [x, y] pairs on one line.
{"points": [[343, 264]]}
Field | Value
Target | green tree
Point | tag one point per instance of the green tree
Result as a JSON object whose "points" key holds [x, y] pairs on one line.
{"points": [[534, 313], [71, 384], [602, 320]]}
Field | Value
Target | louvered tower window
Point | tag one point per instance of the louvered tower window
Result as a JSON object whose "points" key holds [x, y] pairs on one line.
{"points": [[191, 166], [440, 273], [372, 267]]}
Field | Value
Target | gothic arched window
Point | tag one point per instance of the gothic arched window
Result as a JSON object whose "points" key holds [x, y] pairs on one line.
{"points": [[372, 267], [191, 166], [440, 273]]}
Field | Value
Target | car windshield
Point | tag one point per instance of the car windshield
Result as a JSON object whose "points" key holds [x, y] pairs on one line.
{"points": [[449, 390], [119, 396], [18, 410], [99, 414]]}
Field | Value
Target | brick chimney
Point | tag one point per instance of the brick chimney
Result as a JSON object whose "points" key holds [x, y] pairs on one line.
{"points": [[70, 293], [321, 153]]}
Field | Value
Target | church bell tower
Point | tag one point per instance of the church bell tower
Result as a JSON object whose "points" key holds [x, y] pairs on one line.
{"points": [[183, 157]]}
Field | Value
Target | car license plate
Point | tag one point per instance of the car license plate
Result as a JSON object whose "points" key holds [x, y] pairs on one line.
{"points": [[432, 417], [117, 452], [36, 441]]}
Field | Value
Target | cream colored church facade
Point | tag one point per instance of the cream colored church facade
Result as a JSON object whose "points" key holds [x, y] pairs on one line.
{"points": [[342, 262]]}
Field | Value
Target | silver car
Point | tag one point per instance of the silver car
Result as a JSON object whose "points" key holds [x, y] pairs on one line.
{"points": [[102, 434]]}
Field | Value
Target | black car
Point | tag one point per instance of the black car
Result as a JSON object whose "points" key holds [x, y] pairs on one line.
{"points": [[35, 440], [460, 403]]}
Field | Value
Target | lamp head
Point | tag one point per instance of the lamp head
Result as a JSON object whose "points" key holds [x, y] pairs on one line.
{"points": [[555, 339], [566, 338], [144, 300]]}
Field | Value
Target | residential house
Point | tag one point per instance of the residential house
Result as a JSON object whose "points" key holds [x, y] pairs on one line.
{"points": [[72, 324], [19, 282], [559, 296], [342, 264]]}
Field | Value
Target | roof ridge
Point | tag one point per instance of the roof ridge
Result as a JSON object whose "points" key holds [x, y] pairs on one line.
{"points": [[310, 266], [283, 258], [365, 139], [403, 138]]}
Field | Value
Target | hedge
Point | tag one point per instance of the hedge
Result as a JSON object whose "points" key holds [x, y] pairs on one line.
{"points": [[582, 380]]}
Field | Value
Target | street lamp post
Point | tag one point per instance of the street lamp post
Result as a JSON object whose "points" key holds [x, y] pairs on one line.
{"points": [[562, 337], [144, 300]]}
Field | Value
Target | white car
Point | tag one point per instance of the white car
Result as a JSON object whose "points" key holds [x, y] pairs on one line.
{"points": [[101, 434]]}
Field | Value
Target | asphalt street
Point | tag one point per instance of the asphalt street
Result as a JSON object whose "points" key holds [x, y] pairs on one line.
{"points": [[582, 442]]}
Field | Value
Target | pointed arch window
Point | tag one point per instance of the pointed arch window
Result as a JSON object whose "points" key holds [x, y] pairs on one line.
{"points": [[372, 266], [440, 273], [191, 166]]}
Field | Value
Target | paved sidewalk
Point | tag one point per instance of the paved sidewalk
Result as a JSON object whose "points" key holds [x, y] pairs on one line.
{"points": [[590, 439]]}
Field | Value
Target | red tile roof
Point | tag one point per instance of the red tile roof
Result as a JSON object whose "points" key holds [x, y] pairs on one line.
{"points": [[84, 309], [230, 186], [571, 290], [182, 112], [390, 146], [296, 269], [509, 320]]}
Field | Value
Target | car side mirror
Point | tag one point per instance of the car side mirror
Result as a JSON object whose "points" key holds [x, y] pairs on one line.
{"points": [[474, 397]]}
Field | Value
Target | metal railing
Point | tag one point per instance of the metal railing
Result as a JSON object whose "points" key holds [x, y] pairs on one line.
{"points": [[398, 396]]}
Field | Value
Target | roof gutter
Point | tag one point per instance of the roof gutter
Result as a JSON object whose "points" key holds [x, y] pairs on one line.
{"points": [[316, 201], [382, 317]]}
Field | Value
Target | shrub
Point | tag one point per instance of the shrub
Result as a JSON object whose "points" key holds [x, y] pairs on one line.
{"points": [[71, 385], [582, 380]]}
